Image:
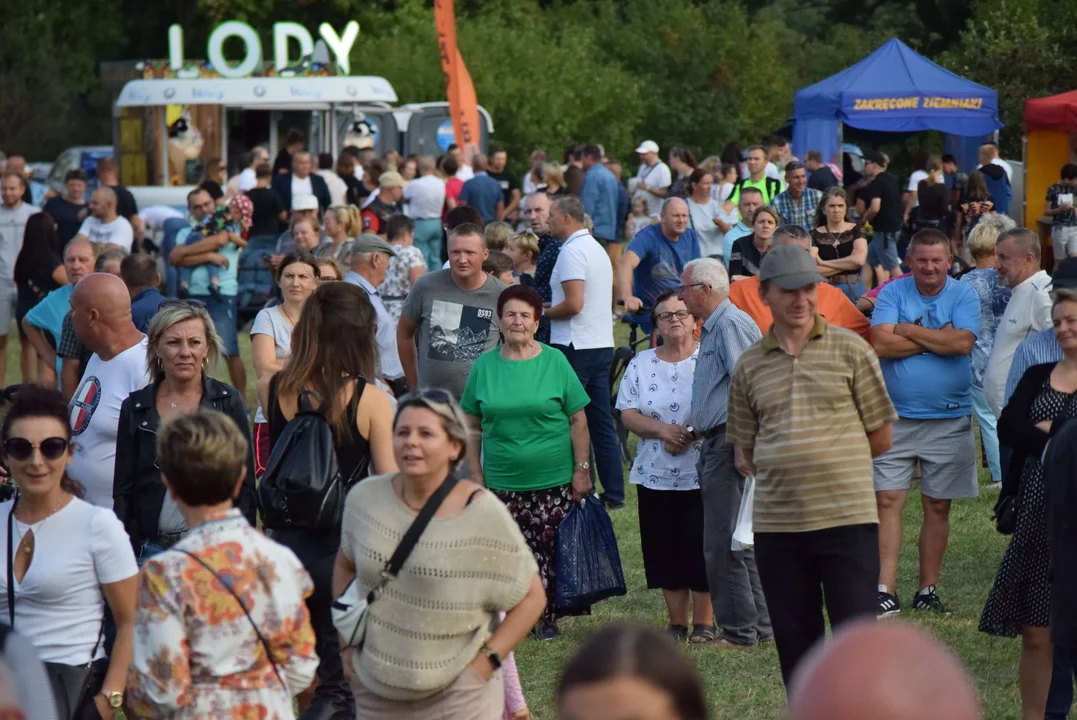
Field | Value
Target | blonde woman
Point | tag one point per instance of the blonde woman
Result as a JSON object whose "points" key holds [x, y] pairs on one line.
{"points": [[342, 226], [434, 642], [523, 250], [555, 179], [182, 344]]}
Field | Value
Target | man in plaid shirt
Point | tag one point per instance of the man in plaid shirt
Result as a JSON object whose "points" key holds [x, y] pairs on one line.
{"points": [[798, 203]]}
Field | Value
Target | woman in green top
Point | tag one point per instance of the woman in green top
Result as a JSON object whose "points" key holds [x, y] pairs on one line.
{"points": [[534, 444]]}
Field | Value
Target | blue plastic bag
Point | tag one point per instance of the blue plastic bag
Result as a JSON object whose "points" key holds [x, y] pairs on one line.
{"points": [[588, 563]]}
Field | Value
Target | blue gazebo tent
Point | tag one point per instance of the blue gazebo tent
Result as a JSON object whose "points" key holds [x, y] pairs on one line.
{"points": [[892, 90]]}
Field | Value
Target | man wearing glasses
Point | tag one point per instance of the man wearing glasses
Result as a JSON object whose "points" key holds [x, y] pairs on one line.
{"points": [[740, 611]]}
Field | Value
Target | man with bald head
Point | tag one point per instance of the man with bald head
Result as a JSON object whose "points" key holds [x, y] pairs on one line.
{"points": [[101, 313], [104, 224], [882, 671], [654, 260]]}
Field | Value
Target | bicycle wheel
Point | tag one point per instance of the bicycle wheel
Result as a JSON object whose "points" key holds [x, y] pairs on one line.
{"points": [[625, 444]]}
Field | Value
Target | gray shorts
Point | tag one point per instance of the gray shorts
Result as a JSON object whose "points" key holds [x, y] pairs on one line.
{"points": [[8, 297], [946, 450], [1064, 240], [883, 251]]}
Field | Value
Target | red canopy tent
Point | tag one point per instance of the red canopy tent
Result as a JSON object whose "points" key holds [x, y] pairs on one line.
{"points": [[1058, 112], [1050, 143]]}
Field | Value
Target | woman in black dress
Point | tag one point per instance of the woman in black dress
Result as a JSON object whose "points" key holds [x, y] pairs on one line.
{"points": [[37, 273], [1020, 599], [841, 245]]}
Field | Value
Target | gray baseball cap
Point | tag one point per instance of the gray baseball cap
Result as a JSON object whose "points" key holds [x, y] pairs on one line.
{"points": [[369, 242], [790, 266]]}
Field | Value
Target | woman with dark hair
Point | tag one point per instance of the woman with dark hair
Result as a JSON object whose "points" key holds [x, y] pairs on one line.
{"points": [[748, 251], [528, 403], [66, 559], [683, 162], [271, 333], [182, 344], [38, 271], [977, 203], [359, 194], [334, 357], [733, 154], [206, 646], [840, 246], [345, 169], [628, 670]]}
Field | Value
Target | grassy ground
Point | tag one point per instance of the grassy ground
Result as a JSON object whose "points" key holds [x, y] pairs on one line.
{"points": [[747, 685]]}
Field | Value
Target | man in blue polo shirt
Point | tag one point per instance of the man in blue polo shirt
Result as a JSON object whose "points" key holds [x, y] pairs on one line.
{"points": [[483, 193], [923, 329], [655, 259]]}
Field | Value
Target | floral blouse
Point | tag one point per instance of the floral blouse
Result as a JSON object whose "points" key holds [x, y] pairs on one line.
{"points": [[396, 286], [195, 652]]}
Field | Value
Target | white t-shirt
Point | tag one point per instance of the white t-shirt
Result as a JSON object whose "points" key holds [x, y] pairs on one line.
{"points": [[117, 232], [582, 258], [95, 417], [914, 183], [1028, 311], [155, 215], [426, 197], [465, 172], [338, 189], [529, 186], [655, 176], [58, 604], [301, 187], [774, 172], [270, 321], [248, 180], [12, 229]]}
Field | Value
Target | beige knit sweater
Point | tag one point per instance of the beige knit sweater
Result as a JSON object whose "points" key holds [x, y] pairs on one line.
{"points": [[431, 621]]}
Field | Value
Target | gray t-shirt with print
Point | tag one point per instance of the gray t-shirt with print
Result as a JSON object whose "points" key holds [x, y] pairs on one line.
{"points": [[455, 327]]}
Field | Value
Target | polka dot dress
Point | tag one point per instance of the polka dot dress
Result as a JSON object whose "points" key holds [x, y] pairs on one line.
{"points": [[1021, 594]]}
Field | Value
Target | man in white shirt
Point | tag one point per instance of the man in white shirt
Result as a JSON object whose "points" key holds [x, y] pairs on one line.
{"points": [[248, 179], [653, 179], [581, 326], [13, 216], [426, 200], [1017, 258], [104, 225], [101, 313], [338, 190], [370, 263], [464, 170]]}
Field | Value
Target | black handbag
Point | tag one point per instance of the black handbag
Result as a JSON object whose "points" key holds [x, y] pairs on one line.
{"points": [[1005, 514], [73, 686]]}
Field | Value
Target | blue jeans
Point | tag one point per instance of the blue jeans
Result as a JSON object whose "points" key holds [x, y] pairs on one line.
{"points": [[223, 313], [428, 240], [988, 423], [593, 369], [852, 290], [1060, 696], [883, 250]]}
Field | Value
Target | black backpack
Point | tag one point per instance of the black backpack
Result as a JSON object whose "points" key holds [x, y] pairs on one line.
{"points": [[773, 187], [302, 488]]}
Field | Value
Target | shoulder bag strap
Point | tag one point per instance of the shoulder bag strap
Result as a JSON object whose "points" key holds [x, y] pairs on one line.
{"points": [[411, 537], [11, 565], [265, 643]]}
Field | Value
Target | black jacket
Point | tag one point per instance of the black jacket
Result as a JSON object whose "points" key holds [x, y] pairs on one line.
{"points": [[137, 489], [1060, 483], [283, 185]]}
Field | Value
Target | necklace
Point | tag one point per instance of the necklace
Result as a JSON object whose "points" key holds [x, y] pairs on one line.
{"points": [[26, 539], [286, 315]]}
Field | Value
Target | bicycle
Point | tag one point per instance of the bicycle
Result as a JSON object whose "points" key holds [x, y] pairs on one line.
{"points": [[622, 356]]}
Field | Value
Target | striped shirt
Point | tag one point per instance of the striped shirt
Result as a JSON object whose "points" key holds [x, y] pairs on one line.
{"points": [[806, 419], [727, 333], [1036, 349]]}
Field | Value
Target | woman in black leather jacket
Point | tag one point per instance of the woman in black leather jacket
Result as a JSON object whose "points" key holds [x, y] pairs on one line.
{"points": [[182, 341]]}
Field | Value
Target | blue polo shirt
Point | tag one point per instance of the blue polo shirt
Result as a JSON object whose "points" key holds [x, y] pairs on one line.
{"points": [[929, 386], [661, 261], [483, 193], [144, 306]]}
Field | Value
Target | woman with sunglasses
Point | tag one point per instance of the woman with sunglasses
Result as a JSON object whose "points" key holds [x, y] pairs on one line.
{"points": [[655, 400], [334, 356], [534, 446], [182, 344], [197, 652], [65, 559], [434, 642], [271, 333], [330, 271]]}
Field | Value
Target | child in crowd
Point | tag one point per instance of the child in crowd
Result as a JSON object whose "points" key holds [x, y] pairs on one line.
{"points": [[500, 266], [639, 218], [725, 180], [234, 219]]}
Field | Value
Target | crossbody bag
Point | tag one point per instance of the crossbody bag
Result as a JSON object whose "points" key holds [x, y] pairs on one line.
{"points": [[349, 611], [73, 686]]}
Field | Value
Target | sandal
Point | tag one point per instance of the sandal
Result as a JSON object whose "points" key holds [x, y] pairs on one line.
{"points": [[677, 632], [702, 634]]}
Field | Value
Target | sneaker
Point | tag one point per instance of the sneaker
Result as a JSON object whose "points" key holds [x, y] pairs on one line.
{"points": [[215, 292], [888, 604], [928, 599], [182, 292]]}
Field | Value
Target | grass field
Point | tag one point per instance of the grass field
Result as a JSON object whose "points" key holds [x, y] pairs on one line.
{"points": [[746, 685]]}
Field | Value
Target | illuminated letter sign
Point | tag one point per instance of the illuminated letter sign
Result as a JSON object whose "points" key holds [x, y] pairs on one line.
{"points": [[215, 49]]}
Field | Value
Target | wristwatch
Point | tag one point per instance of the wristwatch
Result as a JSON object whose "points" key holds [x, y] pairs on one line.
{"points": [[583, 465], [492, 656], [115, 699]]}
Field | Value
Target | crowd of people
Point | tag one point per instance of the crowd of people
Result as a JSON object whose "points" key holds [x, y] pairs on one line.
{"points": [[818, 339]]}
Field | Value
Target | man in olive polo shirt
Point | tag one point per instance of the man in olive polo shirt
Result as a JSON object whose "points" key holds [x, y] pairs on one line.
{"points": [[808, 410]]}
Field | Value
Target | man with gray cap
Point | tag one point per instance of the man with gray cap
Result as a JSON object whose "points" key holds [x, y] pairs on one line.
{"points": [[370, 263], [808, 410]]}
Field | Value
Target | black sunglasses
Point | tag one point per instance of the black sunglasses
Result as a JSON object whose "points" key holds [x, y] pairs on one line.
{"points": [[176, 302], [21, 449], [433, 395]]}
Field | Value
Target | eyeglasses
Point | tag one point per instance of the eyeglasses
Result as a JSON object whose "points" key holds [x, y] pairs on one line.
{"points": [[328, 278], [679, 314], [21, 449], [183, 303], [682, 288], [428, 395]]}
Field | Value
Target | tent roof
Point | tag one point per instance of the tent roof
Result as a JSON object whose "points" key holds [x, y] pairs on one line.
{"points": [[896, 89], [1058, 112]]}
